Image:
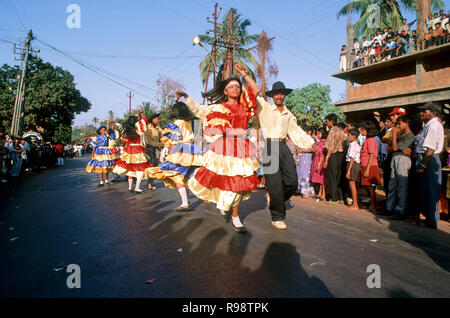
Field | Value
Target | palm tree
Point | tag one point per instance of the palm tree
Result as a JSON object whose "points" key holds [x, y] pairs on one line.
{"points": [[95, 121], [148, 109], [242, 54], [390, 10], [111, 114]]}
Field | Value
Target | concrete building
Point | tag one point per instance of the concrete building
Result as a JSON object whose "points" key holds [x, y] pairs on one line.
{"points": [[407, 81]]}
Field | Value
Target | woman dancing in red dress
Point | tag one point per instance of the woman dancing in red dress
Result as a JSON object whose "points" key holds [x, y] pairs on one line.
{"points": [[228, 175]]}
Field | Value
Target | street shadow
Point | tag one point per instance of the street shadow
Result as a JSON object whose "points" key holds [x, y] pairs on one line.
{"points": [[398, 293], [435, 243], [257, 202], [214, 268], [281, 275]]}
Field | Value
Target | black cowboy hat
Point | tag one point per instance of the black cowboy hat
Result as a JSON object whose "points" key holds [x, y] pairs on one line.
{"points": [[435, 107], [279, 87], [154, 116]]}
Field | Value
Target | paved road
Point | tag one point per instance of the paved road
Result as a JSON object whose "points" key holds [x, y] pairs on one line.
{"points": [[126, 239]]}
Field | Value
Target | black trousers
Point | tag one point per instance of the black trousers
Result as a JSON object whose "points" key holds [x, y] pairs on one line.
{"points": [[281, 176], [333, 175]]}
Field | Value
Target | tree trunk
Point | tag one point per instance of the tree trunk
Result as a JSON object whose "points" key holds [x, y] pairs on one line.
{"points": [[423, 12]]}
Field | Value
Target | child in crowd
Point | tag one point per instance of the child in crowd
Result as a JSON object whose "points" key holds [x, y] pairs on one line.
{"points": [[317, 170], [353, 168], [370, 172]]}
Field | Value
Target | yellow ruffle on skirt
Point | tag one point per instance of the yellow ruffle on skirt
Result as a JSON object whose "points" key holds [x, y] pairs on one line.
{"points": [[229, 165], [103, 157], [99, 169], [135, 174], [185, 159], [134, 158], [168, 177]]}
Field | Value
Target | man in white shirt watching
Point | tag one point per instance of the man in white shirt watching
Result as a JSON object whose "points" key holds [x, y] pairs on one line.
{"points": [[428, 166]]}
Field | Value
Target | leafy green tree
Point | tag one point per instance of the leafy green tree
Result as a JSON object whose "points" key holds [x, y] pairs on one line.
{"points": [[242, 54], [312, 104], [51, 99], [8, 87], [390, 10]]}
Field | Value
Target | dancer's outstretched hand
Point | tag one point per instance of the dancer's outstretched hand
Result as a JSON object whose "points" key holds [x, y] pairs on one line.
{"points": [[241, 69], [181, 94]]}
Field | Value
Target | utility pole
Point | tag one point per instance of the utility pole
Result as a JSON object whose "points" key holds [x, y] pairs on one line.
{"points": [[213, 47], [231, 44], [17, 121], [130, 95]]}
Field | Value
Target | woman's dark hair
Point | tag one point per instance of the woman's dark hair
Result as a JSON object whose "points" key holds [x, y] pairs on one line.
{"points": [[98, 130], [405, 119], [370, 127], [181, 111], [129, 127], [216, 95], [324, 132], [307, 128]]}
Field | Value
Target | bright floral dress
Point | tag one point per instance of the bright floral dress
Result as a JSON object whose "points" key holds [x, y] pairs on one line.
{"points": [[228, 174], [183, 158]]}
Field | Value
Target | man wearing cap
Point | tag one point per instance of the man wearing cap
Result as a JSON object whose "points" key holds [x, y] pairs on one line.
{"points": [[277, 125], [428, 165], [152, 143]]}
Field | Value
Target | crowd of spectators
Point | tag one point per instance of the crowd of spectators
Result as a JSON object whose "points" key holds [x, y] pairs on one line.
{"points": [[401, 155], [19, 155], [386, 44]]}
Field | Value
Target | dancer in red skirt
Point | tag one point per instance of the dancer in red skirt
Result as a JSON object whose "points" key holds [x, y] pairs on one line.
{"points": [[134, 160], [229, 171]]}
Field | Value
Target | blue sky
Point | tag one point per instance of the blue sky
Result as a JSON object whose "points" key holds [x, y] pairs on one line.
{"points": [[306, 48]]}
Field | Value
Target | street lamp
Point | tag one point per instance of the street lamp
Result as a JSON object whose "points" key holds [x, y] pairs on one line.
{"points": [[196, 40]]}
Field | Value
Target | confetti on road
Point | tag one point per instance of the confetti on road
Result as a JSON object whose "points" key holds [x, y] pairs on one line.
{"points": [[374, 240], [58, 269], [375, 261], [13, 239], [180, 250], [11, 229], [75, 243], [151, 281]]}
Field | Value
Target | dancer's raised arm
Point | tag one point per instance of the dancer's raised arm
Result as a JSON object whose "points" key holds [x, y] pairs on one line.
{"points": [[248, 79], [199, 111]]}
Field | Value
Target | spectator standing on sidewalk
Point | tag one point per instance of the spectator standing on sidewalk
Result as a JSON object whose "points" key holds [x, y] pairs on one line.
{"points": [[335, 157], [59, 152], [15, 151], [429, 164], [402, 138]]}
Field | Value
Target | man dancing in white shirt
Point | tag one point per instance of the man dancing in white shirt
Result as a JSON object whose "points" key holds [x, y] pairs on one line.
{"points": [[278, 124]]}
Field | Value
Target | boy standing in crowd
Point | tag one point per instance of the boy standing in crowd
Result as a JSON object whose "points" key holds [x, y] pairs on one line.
{"points": [[353, 168]]}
